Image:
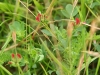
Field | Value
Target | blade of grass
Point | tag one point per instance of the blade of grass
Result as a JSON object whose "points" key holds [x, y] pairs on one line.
{"points": [[91, 11], [2, 72], [83, 9], [7, 41], [43, 69], [5, 70], [54, 58], [97, 69], [16, 9], [80, 14]]}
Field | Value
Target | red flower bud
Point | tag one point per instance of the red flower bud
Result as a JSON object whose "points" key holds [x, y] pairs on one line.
{"points": [[12, 55], [9, 62], [38, 17], [18, 55], [77, 21]]}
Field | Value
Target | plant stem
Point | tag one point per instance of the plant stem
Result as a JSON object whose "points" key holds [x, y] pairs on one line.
{"points": [[98, 65], [54, 58], [16, 9], [91, 11], [43, 69], [5, 70], [83, 9], [19, 69], [50, 7]]}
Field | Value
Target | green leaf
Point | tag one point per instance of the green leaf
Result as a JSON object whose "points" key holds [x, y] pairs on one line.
{"points": [[38, 5], [96, 37], [65, 13], [40, 57], [50, 72], [68, 10], [97, 47], [4, 57], [18, 28], [46, 32], [27, 73], [94, 4], [36, 54]]}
